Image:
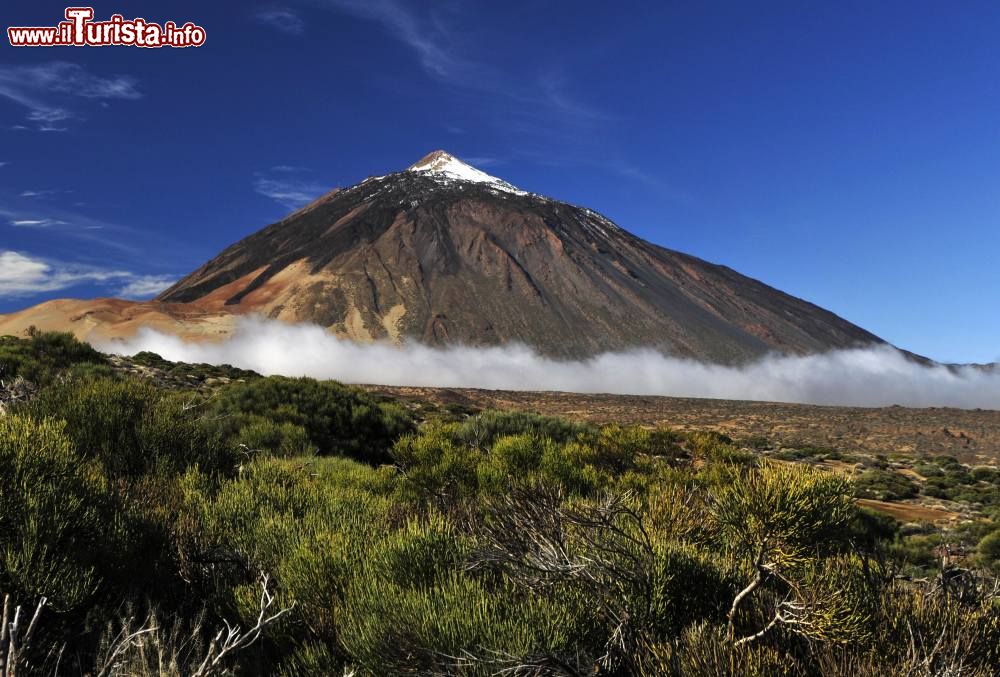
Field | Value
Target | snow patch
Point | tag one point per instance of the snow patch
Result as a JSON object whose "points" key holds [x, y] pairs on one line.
{"points": [[441, 165]]}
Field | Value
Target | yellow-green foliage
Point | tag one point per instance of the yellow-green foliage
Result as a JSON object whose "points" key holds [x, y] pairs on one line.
{"points": [[447, 462], [703, 650], [435, 465], [307, 525], [132, 428], [259, 434], [50, 524], [338, 420], [455, 624], [41, 356], [989, 550], [503, 544], [778, 514], [482, 430]]}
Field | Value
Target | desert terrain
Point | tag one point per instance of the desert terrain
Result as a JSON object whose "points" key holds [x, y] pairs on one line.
{"points": [[971, 435]]}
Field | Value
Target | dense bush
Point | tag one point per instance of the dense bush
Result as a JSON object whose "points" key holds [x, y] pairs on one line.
{"points": [[132, 428], [989, 550], [884, 485], [42, 355], [482, 430], [448, 464], [51, 532], [338, 420]]}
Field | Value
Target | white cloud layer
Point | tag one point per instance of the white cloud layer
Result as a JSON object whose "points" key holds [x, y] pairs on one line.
{"points": [[863, 377]]}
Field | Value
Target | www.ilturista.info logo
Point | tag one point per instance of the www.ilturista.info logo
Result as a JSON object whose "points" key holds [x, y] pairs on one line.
{"points": [[80, 30]]}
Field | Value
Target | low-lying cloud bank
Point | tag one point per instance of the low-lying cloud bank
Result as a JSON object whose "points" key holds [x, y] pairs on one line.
{"points": [[862, 377]]}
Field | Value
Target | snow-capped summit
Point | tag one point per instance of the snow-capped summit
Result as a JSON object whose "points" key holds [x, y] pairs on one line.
{"points": [[445, 165]]}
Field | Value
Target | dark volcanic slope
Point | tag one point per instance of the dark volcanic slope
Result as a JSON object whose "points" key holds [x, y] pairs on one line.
{"points": [[429, 256]]}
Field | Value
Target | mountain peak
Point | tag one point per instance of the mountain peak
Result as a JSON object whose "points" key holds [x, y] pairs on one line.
{"points": [[434, 160], [444, 165], [445, 254]]}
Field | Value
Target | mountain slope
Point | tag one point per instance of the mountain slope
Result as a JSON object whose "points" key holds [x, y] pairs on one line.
{"points": [[444, 253]]}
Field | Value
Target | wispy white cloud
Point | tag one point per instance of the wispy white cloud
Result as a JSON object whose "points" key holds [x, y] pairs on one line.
{"points": [[36, 223], [47, 91], [4, 164], [23, 275], [49, 115], [38, 193], [284, 185], [655, 183], [146, 286], [446, 54], [481, 161], [282, 19], [554, 86], [70, 224], [548, 104], [429, 38]]}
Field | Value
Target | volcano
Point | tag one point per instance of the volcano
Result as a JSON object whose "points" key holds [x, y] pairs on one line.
{"points": [[445, 254]]}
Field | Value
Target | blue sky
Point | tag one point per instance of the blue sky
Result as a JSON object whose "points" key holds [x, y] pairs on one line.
{"points": [[847, 153]]}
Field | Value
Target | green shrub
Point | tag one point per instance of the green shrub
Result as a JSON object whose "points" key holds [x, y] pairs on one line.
{"points": [[259, 434], [779, 521], [694, 587], [482, 430], [718, 448], [456, 625], [986, 474], [785, 512], [199, 373], [989, 550], [928, 470], [339, 420], [500, 544], [51, 526], [872, 530], [571, 467], [885, 485], [917, 551], [439, 463], [42, 355], [309, 527], [511, 459], [132, 428], [704, 650], [437, 466], [618, 446]]}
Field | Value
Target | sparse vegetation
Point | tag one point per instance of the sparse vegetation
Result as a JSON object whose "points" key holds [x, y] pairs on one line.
{"points": [[293, 527]]}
